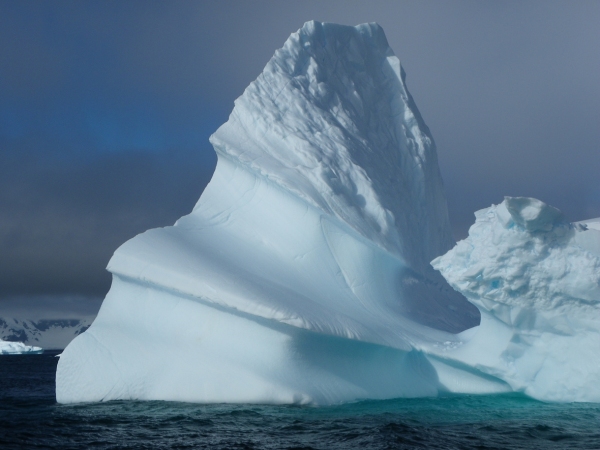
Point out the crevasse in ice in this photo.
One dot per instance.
(302, 274)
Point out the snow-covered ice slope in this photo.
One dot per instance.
(536, 280)
(17, 348)
(303, 272)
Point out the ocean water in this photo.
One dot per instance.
(31, 418)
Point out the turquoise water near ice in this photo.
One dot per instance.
(31, 418)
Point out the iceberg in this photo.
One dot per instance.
(535, 278)
(17, 348)
(303, 273)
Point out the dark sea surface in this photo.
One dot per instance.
(31, 418)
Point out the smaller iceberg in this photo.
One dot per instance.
(535, 278)
(17, 348)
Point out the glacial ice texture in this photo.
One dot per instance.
(303, 273)
(536, 280)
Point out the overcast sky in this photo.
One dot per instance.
(106, 109)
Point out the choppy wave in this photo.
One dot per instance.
(31, 418)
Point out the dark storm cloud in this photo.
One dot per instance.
(106, 108)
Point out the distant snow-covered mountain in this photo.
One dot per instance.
(45, 333)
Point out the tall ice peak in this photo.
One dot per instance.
(302, 275)
(331, 120)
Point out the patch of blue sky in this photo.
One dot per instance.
(124, 130)
(13, 123)
(96, 126)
